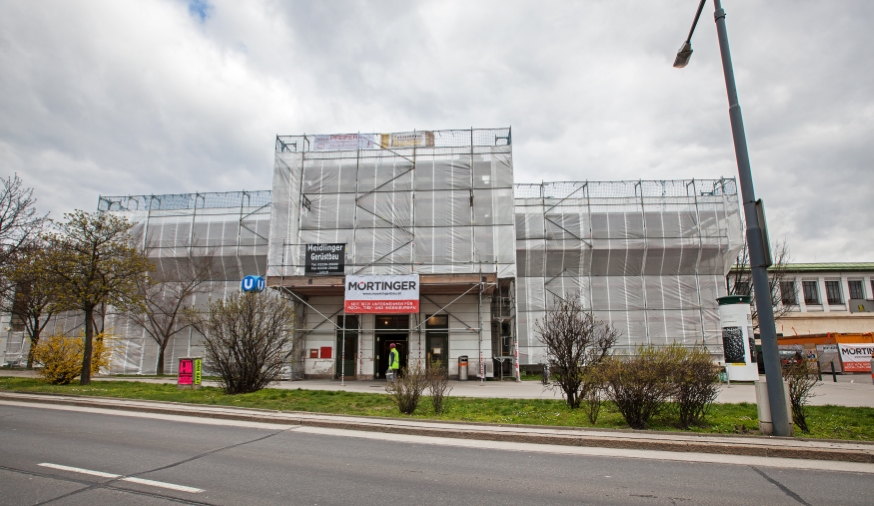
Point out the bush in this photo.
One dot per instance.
(575, 343)
(61, 357)
(248, 340)
(593, 392)
(696, 383)
(406, 391)
(438, 385)
(801, 382)
(639, 385)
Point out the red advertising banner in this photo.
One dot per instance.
(382, 294)
(382, 306)
(856, 357)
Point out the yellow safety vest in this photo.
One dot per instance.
(394, 359)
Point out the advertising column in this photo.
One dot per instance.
(738, 344)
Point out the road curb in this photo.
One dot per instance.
(480, 432)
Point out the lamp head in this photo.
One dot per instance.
(683, 55)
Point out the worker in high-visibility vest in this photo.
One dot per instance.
(394, 362)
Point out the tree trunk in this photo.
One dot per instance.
(34, 340)
(159, 370)
(86, 353)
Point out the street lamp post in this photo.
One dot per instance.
(757, 241)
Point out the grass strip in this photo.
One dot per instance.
(826, 422)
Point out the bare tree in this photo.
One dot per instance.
(19, 221)
(739, 280)
(95, 265)
(248, 339)
(33, 299)
(575, 342)
(167, 298)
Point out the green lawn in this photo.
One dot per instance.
(829, 422)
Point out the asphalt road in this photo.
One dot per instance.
(49, 456)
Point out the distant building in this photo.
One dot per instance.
(821, 298)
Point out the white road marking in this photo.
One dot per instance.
(713, 458)
(141, 481)
(80, 470)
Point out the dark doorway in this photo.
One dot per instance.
(350, 336)
(391, 329)
(437, 341)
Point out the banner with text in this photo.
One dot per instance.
(856, 357)
(382, 294)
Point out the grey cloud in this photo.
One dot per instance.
(112, 98)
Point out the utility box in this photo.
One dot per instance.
(190, 372)
(462, 368)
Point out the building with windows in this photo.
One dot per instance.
(820, 298)
(441, 209)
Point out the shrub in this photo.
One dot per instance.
(438, 385)
(801, 382)
(593, 392)
(575, 342)
(248, 340)
(406, 391)
(639, 385)
(61, 357)
(696, 383)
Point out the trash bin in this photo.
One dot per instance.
(462, 368)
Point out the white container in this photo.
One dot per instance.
(738, 343)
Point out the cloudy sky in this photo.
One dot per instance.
(169, 96)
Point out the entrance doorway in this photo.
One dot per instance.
(437, 342)
(350, 336)
(391, 329)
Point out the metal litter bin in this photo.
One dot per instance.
(462, 368)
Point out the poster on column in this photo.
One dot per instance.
(382, 294)
(856, 357)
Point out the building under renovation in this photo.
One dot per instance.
(439, 211)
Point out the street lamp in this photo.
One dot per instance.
(757, 235)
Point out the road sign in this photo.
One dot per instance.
(253, 284)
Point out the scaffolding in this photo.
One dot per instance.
(173, 229)
(432, 202)
(650, 257)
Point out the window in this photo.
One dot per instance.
(787, 293)
(811, 294)
(833, 292)
(742, 287)
(856, 289)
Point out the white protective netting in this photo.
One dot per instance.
(443, 206)
(174, 229)
(650, 257)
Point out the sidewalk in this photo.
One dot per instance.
(850, 390)
(758, 446)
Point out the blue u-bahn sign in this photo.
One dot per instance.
(253, 284)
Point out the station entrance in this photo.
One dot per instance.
(391, 329)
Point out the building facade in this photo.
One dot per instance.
(490, 256)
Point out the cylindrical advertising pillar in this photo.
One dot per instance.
(738, 343)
